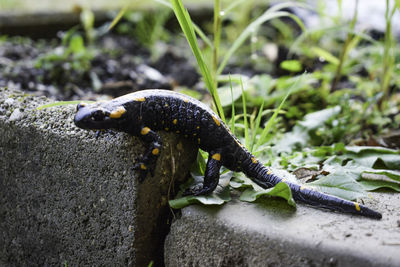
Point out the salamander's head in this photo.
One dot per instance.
(98, 116)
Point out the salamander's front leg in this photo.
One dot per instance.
(211, 176)
(148, 162)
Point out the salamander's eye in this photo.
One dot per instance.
(98, 115)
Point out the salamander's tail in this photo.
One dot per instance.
(266, 179)
(321, 200)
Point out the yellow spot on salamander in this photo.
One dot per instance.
(357, 206)
(185, 100)
(302, 187)
(143, 167)
(155, 151)
(194, 134)
(141, 99)
(145, 130)
(198, 127)
(283, 180)
(178, 131)
(269, 172)
(216, 156)
(166, 129)
(254, 160)
(166, 105)
(175, 121)
(162, 122)
(117, 113)
(217, 122)
(198, 140)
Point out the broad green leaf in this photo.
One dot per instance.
(212, 199)
(341, 184)
(313, 121)
(382, 174)
(280, 190)
(305, 131)
(218, 197)
(370, 185)
(228, 94)
(377, 157)
(241, 181)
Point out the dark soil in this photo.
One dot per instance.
(114, 65)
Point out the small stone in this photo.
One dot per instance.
(8, 101)
(16, 115)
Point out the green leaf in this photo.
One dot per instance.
(212, 199)
(370, 185)
(291, 65)
(218, 197)
(76, 45)
(382, 175)
(305, 131)
(377, 157)
(341, 184)
(281, 190)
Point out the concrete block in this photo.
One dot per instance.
(269, 233)
(67, 197)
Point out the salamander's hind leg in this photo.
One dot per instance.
(211, 177)
(148, 162)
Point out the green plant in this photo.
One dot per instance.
(73, 52)
(211, 77)
(349, 43)
(87, 21)
(147, 28)
(188, 29)
(388, 54)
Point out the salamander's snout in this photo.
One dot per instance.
(96, 117)
(82, 117)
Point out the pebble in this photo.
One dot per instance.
(16, 115)
(9, 101)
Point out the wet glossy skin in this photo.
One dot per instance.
(144, 113)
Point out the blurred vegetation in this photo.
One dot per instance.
(319, 101)
(348, 94)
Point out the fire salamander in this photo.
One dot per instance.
(145, 112)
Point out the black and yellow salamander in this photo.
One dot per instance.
(145, 112)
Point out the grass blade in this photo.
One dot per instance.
(188, 29)
(257, 124)
(250, 30)
(246, 126)
(273, 117)
(118, 17)
(233, 108)
(62, 103)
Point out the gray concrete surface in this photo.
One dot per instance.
(270, 233)
(67, 197)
